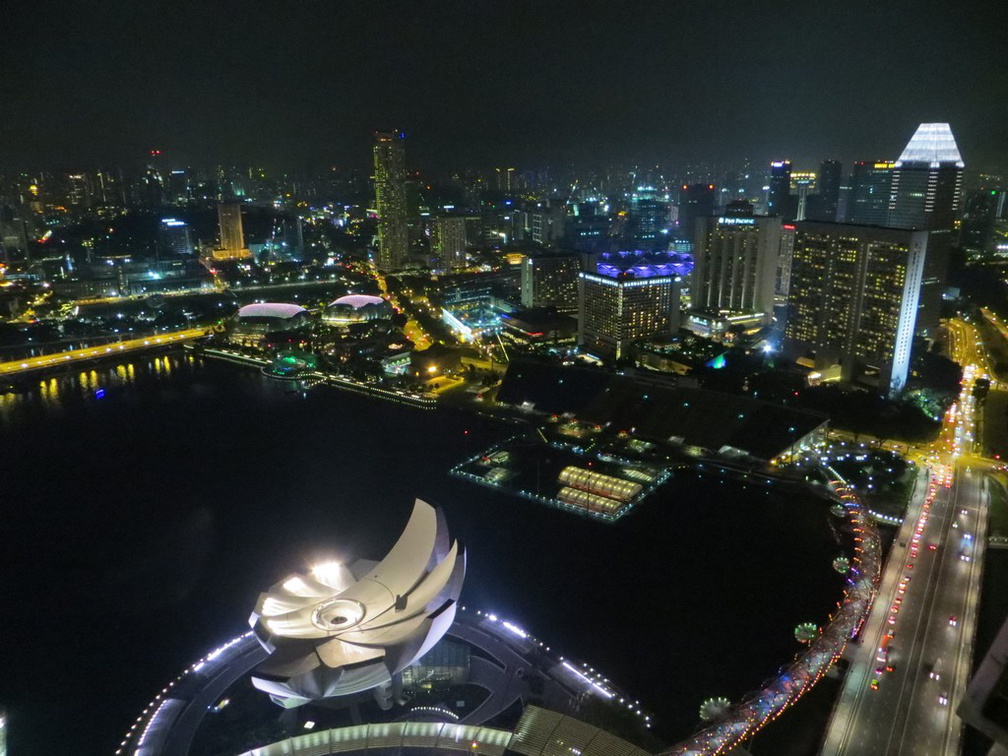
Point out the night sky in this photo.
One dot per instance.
(293, 84)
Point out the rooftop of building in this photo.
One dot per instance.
(643, 264)
(279, 310)
(357, 301)
(932, 144)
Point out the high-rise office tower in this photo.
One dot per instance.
(735, 264)
(982, 209)
(926, 194)
(853, 298)
(390, 200)
(79, 190)
(695, 201)
(232, 237)
(802, 184)
(649, 219)
(627, 299)
(823, 205)
(174, 237)
(546, 223)
(550, 280)
(779, 202)
(449, 241)
(927, 183)
(870, 186)
(587, 226)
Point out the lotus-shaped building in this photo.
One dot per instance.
(343, 629)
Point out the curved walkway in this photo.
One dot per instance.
(772, 700)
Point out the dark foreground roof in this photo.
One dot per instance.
(658, 409)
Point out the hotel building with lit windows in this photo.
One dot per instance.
(550, 279)
(631, 296)
(735, 266)
(853, 297)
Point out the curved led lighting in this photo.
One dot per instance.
(344, 629)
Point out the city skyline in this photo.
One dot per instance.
(691, 316)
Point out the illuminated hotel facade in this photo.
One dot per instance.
(232, 237)
(550, 280)
(735, 262)
(628, 299)
(854, 295)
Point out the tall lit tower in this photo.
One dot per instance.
(824, 205)
(390, 199)
(926, 194)
(853, 299)
(779, 199)
(232, 238)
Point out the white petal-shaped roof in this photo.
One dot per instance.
(933, 144)
(398, 608)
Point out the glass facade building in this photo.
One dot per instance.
(779, 197)
(870, 186)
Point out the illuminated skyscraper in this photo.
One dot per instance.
(649, 219)
(390, 200)
(782, 279)
(824, 208)
(870, 186)
(631, 297)
(550, 280)
(853, 296)
(735, 262)
(927, 182)
(926, 194)
(448, 240)
(802, 184)
(232, 238)
(174, 237)
(779, 202)
(695, 201)
(982, 210)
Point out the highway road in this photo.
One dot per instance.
(59, 359)
(910, 668)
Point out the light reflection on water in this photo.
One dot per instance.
(52, 392)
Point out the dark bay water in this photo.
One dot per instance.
(137, 529)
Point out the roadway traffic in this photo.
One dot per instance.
(909, 670)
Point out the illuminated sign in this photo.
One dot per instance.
(736, 221)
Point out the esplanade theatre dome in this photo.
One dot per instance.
(253, 321)
(356, 308)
